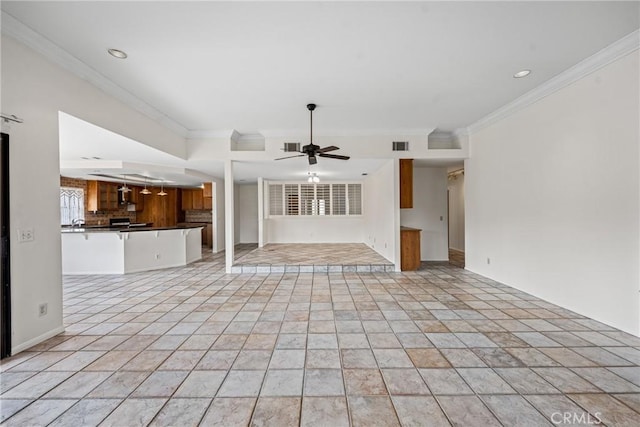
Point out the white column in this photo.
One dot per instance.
(260, 212)
(396, 209)
(229, 235)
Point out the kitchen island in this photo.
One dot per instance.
(128, 250)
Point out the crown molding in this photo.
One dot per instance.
(54, 53)
(609, 54)
(304, 134)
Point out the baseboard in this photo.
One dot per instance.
(37, 340)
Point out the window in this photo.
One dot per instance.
(355, 199)
(71, 205)
(339, 199)
(315, 199)
(292, 199)
(322, 202)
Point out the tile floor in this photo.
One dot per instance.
(310, 258)
(194, 346)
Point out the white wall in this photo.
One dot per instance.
(218, 215)
(315, 229)
(456, 212)
(248, 218)
(35, 90)
(552, 197)
(380, 210)
(236, 214)
(429, 212)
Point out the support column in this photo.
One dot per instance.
(260, 212)
(229, 228)
(396, 210)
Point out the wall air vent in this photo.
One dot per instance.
(400, 145)
(291, 147)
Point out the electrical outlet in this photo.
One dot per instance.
(157, 256)
(441, 218)
(488, 260)
(42, 309)
(25, 235)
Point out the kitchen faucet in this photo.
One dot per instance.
(77, 221)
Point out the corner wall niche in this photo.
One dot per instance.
(439, 140)
(247, 142)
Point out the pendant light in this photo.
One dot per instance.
(124, 187)
(145, 191)
(162, 192)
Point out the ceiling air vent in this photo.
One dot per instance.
(292, 147)
(400, 145)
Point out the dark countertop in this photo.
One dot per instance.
(107, 229)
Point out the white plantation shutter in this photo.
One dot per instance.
(355, 199)
(275, 199)
(339, 199)
(307, 199)
(323, 199)
(292, 199)
(315, 199)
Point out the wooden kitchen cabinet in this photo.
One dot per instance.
(102, 196)
(406, 183)
(197, 201)
(187, 199)
(136, 198)
(207, 191)
(194, 200)
(409, 249)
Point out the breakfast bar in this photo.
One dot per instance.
(129, 250)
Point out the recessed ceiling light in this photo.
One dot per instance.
(117, 53)
(521, 74)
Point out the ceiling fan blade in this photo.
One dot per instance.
(290, 157)
(327, 149)
(334, 156)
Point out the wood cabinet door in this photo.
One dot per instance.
(187, 199)
(197, 199)
(208, 203)
(406, 183)
(112, 196)
(207, 191)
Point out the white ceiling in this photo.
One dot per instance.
(370, 66)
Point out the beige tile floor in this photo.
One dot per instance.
(309, 258)
(194, 346)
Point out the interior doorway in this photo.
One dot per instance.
(5, 277)
(455, 207)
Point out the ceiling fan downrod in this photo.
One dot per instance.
(311, 107)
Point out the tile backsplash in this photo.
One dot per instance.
(198, 216)
(97, 218)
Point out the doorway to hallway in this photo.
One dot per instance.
(455, 208)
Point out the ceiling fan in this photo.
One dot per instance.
(313, 151)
